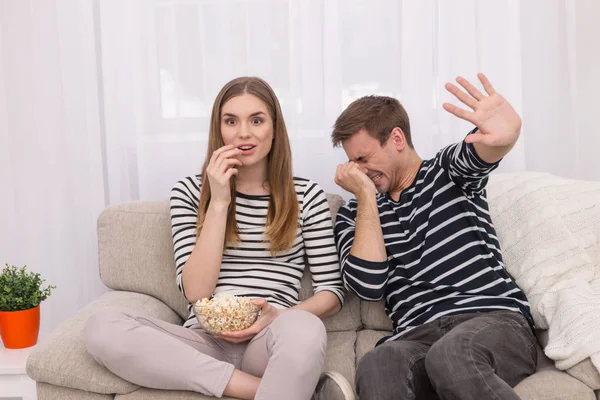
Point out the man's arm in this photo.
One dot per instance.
(359, 237)
(465, 167)
(498, 123)
(368, 237)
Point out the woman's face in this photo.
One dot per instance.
(247, 125)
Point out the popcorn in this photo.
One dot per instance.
(225, 312)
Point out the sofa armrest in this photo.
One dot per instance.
(61, 359)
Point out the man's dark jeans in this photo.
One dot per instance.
(461, 357)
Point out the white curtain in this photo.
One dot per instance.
(51, 171)
(109, 101)
(166, 61)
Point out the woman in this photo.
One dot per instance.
(245, 226)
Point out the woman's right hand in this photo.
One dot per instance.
(221, 168)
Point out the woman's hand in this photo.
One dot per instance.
(221, 168)
(268, 314)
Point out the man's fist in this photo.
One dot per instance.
(352, 178)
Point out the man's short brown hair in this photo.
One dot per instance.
(378, 115)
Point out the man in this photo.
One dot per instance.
(461, 328)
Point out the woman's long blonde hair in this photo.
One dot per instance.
(282, 216)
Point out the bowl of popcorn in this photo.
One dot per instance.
(226, 313)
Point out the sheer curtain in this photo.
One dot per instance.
(174, 56)
(105, 101)
(51, 171)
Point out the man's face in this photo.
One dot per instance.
(380, 163)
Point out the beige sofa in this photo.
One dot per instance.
(136, 262)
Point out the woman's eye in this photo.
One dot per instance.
(230, 121)
(257, 121)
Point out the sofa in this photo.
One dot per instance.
(136, 264)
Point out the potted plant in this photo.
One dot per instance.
(21, 293)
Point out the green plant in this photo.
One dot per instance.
(21, 290)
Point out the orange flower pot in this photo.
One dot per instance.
(20, 329)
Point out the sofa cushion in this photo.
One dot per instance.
(136, 251)
(335, 202)
(62, 359)
(587, 373)
(373, 316)
(348, 319)
(136, 254)
(366, 340)
(341, 354)
(552, 384)
(46, 391)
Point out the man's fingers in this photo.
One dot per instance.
(347, 173)
(478, 138)
(354, 168)
(486, 84)
(462, 96)
(472, 90)
(341, 171)
(459, 112)
(361, 170)
(472, 138)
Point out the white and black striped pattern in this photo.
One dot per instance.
(248, 269)
(443, 254)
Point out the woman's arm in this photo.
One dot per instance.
(198, 269)
(323, 304)
(201, 270)
(321, 254)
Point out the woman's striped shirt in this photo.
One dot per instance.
(248, 268)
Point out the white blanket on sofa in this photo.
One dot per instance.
(549, 230)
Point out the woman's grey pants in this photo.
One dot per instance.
(288, 354)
